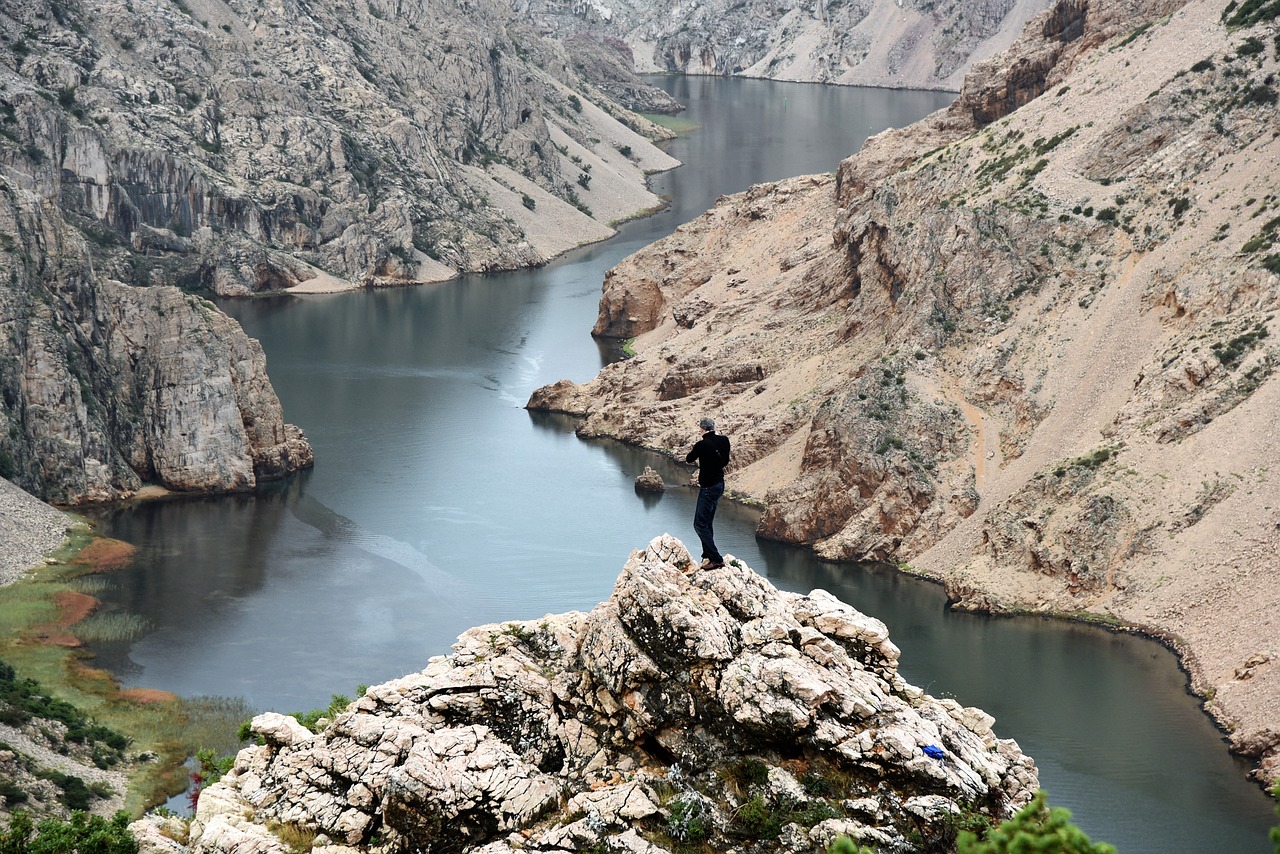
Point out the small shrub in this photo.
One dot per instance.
(528, 201)
(295, 837)
(1252, 46)
(746, 773)
(758, 819)
(1036, 827)
(688, 820)
(624, 150)
(845, 845)
(576, 103)
(1203, 65)
(1262, 94)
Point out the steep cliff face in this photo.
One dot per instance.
(914, 44)
(692, 708)
(242, 146)
(107, 386)
(237, 147)
(1024, 344)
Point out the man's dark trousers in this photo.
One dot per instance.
(708, 498)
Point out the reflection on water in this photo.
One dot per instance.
(437, 503)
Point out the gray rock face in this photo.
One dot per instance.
(246, 147)
(703, 706)
(916, 43)
(107, 386)
(253, 146)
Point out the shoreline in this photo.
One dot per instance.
(1197, 685)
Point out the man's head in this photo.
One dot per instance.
(707, 424)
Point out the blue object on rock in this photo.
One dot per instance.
(934, 752)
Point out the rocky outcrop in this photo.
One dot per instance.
(913, 44)
(109, 386)
(1025, 344)
(691, 707)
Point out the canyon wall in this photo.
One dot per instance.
(919, 44)
(240, 147)
(1024, 346)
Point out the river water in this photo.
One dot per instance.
(437, 503)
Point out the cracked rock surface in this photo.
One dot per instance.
(692, 705)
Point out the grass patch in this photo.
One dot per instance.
(111, 627)
(163, 730)
(676, 124)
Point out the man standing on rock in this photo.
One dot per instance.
(711, 453)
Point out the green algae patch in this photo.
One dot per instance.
(46, 617)
(675, 124)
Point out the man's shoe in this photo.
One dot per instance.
(710, 564)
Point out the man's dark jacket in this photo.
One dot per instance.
(711, 453)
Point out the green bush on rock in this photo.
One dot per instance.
(1037, 827)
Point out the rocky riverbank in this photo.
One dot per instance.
(693, 707)
(29, 530)
(1024, 345)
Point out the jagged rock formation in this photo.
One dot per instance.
(107, 386)
(1024, 344)
(650, 481)
(691, 707)
(921, 44)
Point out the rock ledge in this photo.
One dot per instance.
(691, 706)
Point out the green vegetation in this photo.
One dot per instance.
(337, 705)
(1264, 239)
(21, 700)
(48, 680)
(1232, 351)
(576, 103)
(688, 820)
(764, 818)
(1129, 39)
(528, 201)
(1275, 831)
(82, 834)
(676, 124)
(1036, 828)
(1250, 12)
(1088, 461)
(845, 845)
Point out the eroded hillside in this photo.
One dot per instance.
(1025, 345)
(241, 147)
(914, 44)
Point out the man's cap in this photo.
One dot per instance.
(707, 424)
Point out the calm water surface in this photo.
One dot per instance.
(437, 503)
